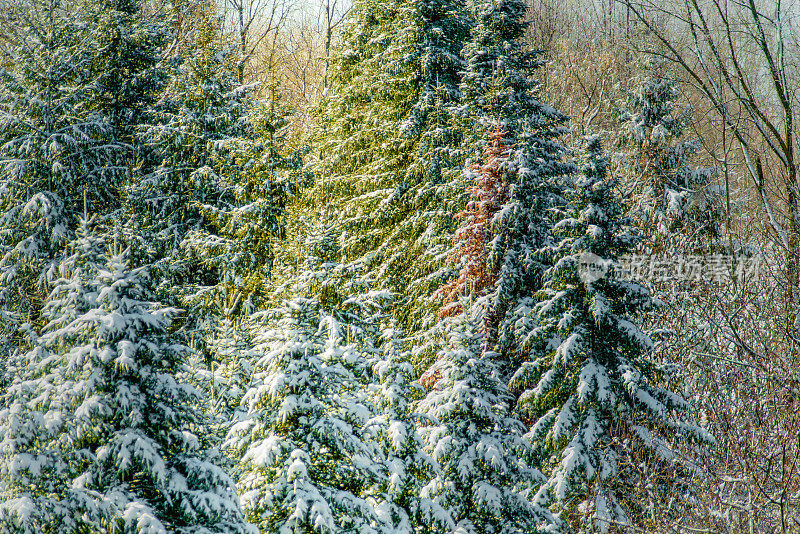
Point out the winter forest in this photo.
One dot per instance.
(399, 266)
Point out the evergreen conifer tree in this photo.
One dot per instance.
(76, 79)
(484, 480)
(210, 205)
(497, 84)
(238, 238)
(237, 241)
(500, 92)
(676, 203)
(201, 106)
(127, 56)
(410, 468)
(56, 153)
(390, 162)
(598, 402)
(306, 464)
(223, 375)
(99, 434)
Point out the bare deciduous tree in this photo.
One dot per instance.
(252, 21)
(740, 59)
(741, 55)
(332, 13)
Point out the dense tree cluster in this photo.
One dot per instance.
(382, 324)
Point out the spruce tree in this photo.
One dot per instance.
(500, 92)
(99, 434)
(601, 406)
(485, 481)
(238, 238)
(34, 471)
(219, 371)
(305, 462)
(675, 202)
(410, 468)
(55, 152)
(76, 79)
(201, 106)
(127, 52)
(390, 161)
(237, 241)
(498, 86)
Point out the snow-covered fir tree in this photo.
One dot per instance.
(500, 92)
(237, 241)
(99, 435)
(229, 376)
(602, 408)
(216, 367)
(210, 205)
(201, 105)
(497, 84)
(305, 463)
(75, 289)
(77, 269)
(675, 203)
(26, 433)
(484, 482)
(410, 468)
(56, 152)
(126, 53)
(390, 163)
(238, 238)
